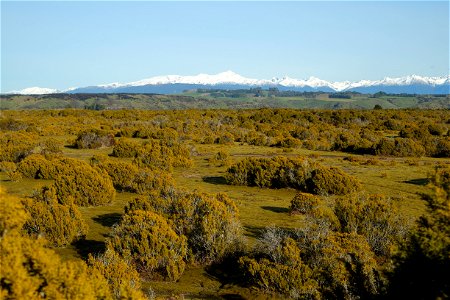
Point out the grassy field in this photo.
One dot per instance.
(191, 100)
(403, 179)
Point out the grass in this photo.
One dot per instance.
(205, 100)
(403, 179)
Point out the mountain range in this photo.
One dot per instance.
(174, 84)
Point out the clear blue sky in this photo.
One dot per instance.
(64, 44)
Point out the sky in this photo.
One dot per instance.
(61, 44)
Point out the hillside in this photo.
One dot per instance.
(221, 99)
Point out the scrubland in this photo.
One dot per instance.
(225, 204)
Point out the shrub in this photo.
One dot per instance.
(36, 166)
(59, 224)
(398, 147)
(331, 180)
(313, 263)
(10, 169)
(299, 173)
(125, 148)
(11, 124)
(274, 172)
(123, 279)
(122, 173)
(289, 275)
(424, 268)
(145, 238)
(29, 270)
(16, 146)
(12, 214)
(7, 166)
(289, 142)
(209, 221)
(156, 154)
(303, 203)
(51, 146)
(147, 180)
(348, 267)
(128, 177)
(225, 139)
(84, 184)
(94, 139)
(374, 217)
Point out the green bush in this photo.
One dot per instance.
(146, 180)
(398, 147)
(94, 139)
(221, 158)
(16, 146)
(125, 148)
(375, 217)
(10, 169)
(84, 184)
(145, 238)
(38, 166)
(60, 224)
(209, 221)
(331, 180)
(348, 267)
(312, 263)
(51, 146)
(156, 154)
(128, 177)
(123, 279)
(122, 173)
(424, 268)
(289, 275)
(304, 203)
(299, 173)
(29, 270)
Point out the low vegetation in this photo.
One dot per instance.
(319, 204)
(299, 173)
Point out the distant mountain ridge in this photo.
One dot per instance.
(173, 84)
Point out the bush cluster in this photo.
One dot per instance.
(16, 146)
(423, 269)
(60, 224)
(341, 251)
(304, 203)
(153, 154)
(298, 173)
(145, 238)
(209, 221)
(94, 139)
(30, 270)
(129, 177)
(318, 265)
(122, 277)
(73, 179)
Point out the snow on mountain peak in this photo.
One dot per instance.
(35, 91)
(230, 77)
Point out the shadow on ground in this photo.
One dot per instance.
(419, 181)
(86, 247)
(108, 220)
(215, 180)
(276, 209)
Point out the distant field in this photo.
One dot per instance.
(191, 100)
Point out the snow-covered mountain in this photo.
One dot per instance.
(169, 84)
(35, 91)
